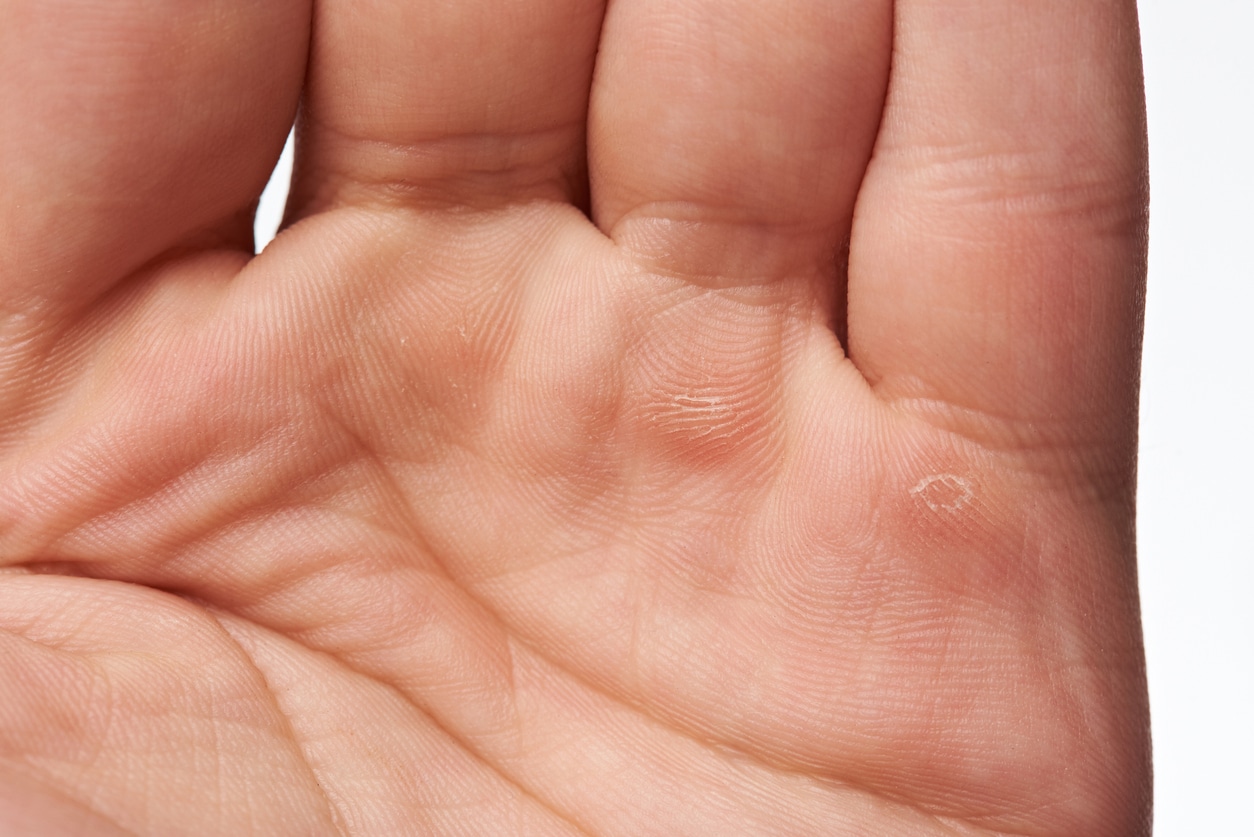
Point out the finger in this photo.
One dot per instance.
(464, 102)
(128, 127)
(997, 261)
(728, 138)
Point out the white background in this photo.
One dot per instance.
(1197, 444)
(1197, 414)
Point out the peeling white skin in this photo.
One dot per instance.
(694, 415)
(944, 492)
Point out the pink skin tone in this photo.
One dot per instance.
(673, 418)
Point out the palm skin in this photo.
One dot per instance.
(523, 485)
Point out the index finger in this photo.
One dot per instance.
(128, 128)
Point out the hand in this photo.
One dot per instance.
(522, 485)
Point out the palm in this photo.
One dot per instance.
(456, 511)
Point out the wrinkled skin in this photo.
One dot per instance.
(691, 417)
